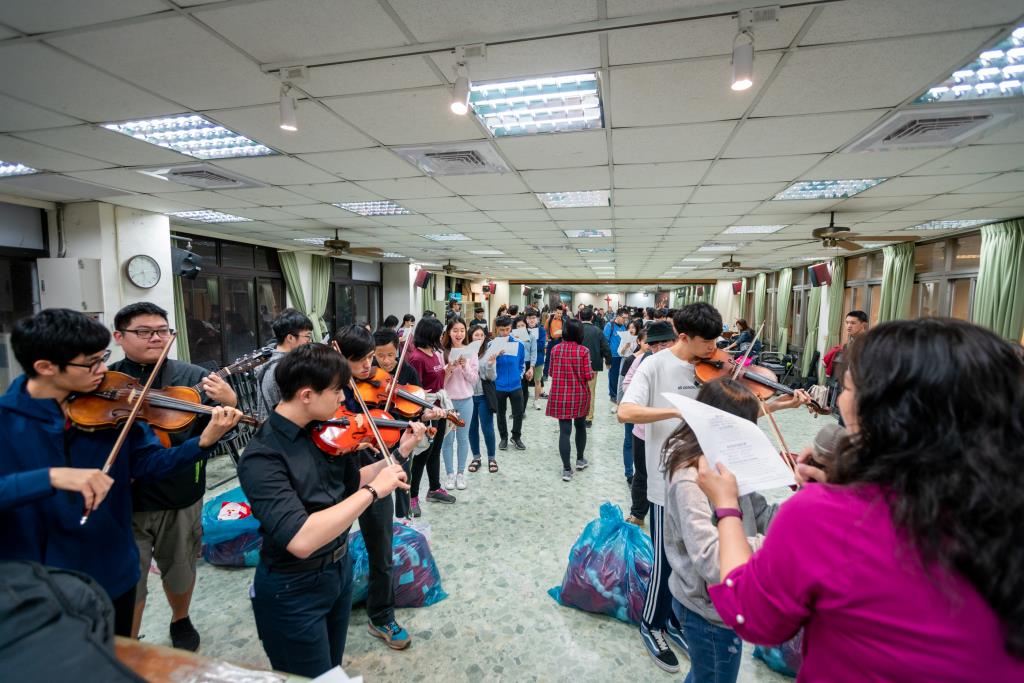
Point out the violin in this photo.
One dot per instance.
(408, 400)
(759, 379)
(347, 430)
(170, 409)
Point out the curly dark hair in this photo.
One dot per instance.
(940, 408)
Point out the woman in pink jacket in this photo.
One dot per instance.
(460, 376)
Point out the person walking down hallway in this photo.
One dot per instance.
(569, 397)
(600, 354)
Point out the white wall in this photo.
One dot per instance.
(398, 293)
(598, 300)
(726, 302)
(366, 271)
(502, 295)
(638, 299)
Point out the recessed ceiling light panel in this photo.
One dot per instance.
(378, 208)
(996, 72)
(7, 170)
(827, 189)
(538, 105)
(487, 252)
(952, 225)
(193, 135)
(573, 200)
(586, 234)
(206, 216)
(695, 259)
(446, 237)
(594, 250)
(753, 229)
(712, 246)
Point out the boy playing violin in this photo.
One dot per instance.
(50, 472)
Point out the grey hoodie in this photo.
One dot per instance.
(691, 540)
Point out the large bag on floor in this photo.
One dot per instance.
(784, 659)
(230, 533)
(609, 568)
(56, 625)
(416, 579)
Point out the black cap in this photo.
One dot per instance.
(660, 331)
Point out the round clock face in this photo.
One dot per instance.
(143, 271)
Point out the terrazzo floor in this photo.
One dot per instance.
(499, 549)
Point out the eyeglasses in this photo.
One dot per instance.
(95, 365)
(145, 333)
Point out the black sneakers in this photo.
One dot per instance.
(184, 635)
(519, 445)
(503, 445)
(658, 649)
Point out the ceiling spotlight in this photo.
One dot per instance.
(460, 90)
(288, 120)
(743, 60)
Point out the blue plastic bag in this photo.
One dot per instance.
(230, 532)
(609, 568)
(784, 659)
(416, 579)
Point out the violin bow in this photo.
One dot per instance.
(384, 450)
(136, 407)
(746, 354)
(394, 376)
(785, 452)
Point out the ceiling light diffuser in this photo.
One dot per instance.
(376, 208)
(586, 234)
(206, 216)
(594, 250)
(695, 259)
(996, 72)
(753, 229)
(952, 225)
(573, 200)
(392, 254)
(538, 105)
(193, 135)
(712, 246)
(827, 189)
(487, 252)
(7, 170)
(446, 237)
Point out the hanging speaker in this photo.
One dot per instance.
(423, 279)
(737, 286)
(185, 263)
(820, 274)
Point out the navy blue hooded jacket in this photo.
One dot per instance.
(40, 523)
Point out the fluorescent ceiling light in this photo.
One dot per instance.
(722, 247)
(487, 252)
(594, 250)
(446, 237)
(7, 169)
(695, 259)
(813, 258)
(996, 72)
(538, 105)
(392, 254)
(511, 261)
(753, 229)
(193, 135)
(684, 267)
(951, 225)
(573, 200)
(827, 189)
(582, 234)
(600, 260)
(429, 265)
(376, 208)
(206, 216)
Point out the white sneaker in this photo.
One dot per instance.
(449, 482)
(536, 404)
(460, 481)
(613, 408)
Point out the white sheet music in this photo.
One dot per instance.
(522, 334)
(468, 351)
(499, 345)
(627, 343)
(737, 443)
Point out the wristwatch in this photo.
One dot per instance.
(373, 492)
(721, 513)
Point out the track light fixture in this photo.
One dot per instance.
(287, 109)
(743, 60)
(460, 90)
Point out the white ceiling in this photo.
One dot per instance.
(683, 156)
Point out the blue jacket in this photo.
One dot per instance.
(510, 369)
(542, 343)
(41, 524)
(611, 333)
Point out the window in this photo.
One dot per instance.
(961, 297)
(966, 252)
(874, 302)
(856, 268)
(352, 301)
(930, 258)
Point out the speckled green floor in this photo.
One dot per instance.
(499, 549)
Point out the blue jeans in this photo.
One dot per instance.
(627, 451)
(464, 407)
(302, 617)
(613, 377)
(484, 419)
(715, 651)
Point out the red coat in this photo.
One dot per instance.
(569, 395)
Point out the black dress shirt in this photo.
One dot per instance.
(287, 478)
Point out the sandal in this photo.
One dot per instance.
(492, 466)
(474, 465)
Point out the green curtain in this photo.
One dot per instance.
(743, 299)
(760, 289)
(836, 314)
(783, 293)
(897, 281)
(811, 338)
(321, 276)
(292, 282)
(181, 320)
(999, 293)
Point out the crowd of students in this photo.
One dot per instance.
(899, 559)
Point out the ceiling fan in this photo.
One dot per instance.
(338, 247)
(729, 266)
(832, 236)
(449, 269)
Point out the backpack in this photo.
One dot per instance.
(56, 625)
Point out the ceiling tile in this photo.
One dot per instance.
(875, 203)
(660, 195)
(148, 203)
(130, 181)
(334, 192)
(794, 206)
(363, 77)
(845, 77)
(58, 82)
(1007, 182)
(568, 180)
(208, 73)
(99, 143)
(461, 217)
(555, 150)
(729, 193)
(16, 115)
(867, 19)
(566, 54)
(319, 129)
(277, 170)
(977, 159)
(583, 212)
(387, 116)
(13, 150)
(363, 164)
(681, 93)
(798, 134)
(406, 188)
(872, 164)
(760, 169)
(963, 201)
(460, 18)
(922, 185)
(518, 216)
(259, 213)
(208, 199)
(671, 174)
(437, 204)
(56, 15)
(290, 30)
(317, 211)
(266, 196)
(648, 211)
(670, 143)
(487, 184)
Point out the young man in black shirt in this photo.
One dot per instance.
(291, 330)
(306, 501)
(167, 512)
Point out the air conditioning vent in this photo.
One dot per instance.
(203, 176)
(931, 127)
(460, 158)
